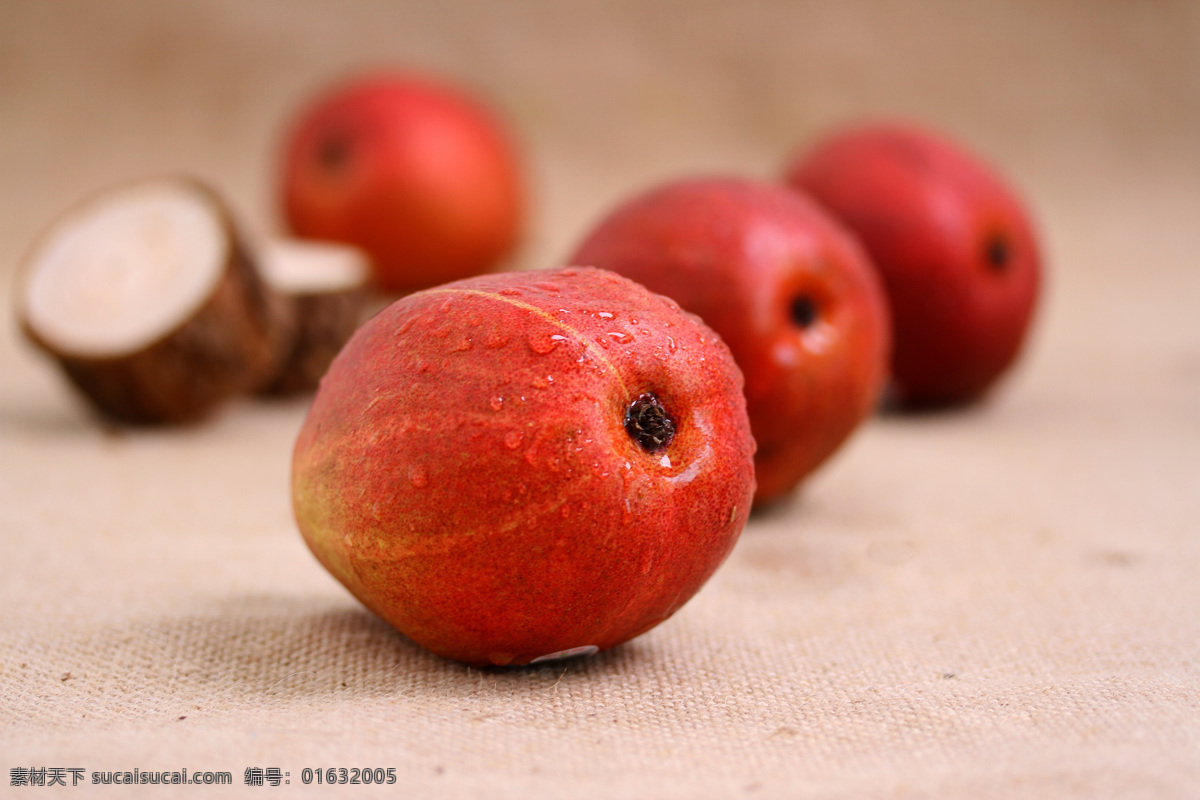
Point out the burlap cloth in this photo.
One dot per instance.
(999, 602)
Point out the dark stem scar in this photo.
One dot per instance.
(649, 424)
(997, 252)
(333, 151)
(803, 311)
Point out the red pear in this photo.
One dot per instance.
(789, 291)
(417, 173)
(955, 247)
(526, 465)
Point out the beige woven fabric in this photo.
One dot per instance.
(999, 602)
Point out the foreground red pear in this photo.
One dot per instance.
(953, 243)
(418, 174)
(525, 465)
(789, 291)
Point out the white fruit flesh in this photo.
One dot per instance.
(309, 267)
(122, 271)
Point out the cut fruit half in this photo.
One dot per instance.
(147, 298)
(328, 287)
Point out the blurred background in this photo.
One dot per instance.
(1005, 591)
(1077, 101)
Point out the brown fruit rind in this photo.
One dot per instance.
(230, 345)
(322, 323)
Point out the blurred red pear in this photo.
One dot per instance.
(788, 290)
(953, 243)
(416, 173)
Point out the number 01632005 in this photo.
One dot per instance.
(352, 775)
